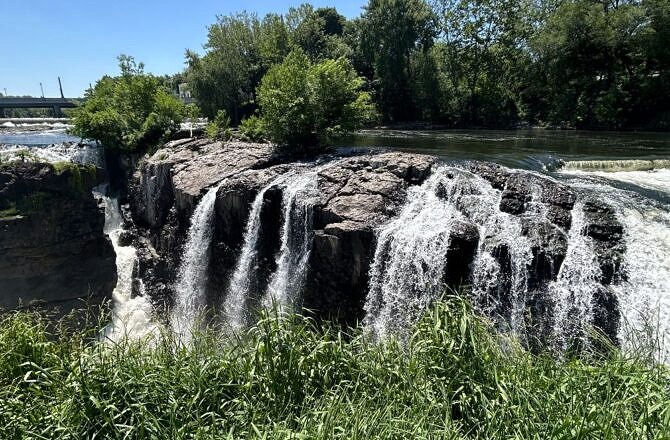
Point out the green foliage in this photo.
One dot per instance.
(129, 112)
(219, 128)
(78, 174)
(252, 129)
(240, 49)
(287, 377)
(306, 105)
(485, 63)
(393, 30)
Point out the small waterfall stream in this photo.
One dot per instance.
(189, 299)
(298, 190)
(577, 281)
(132, 314)
(408, 270)
(296, 239)
(408, 266)
(234, 306)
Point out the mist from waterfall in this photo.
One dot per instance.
(189, 301)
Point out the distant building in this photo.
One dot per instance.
(184, 93)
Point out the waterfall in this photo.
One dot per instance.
(131, 315)
(286, 282)
(644, 296)
(408, 268)
(240, 282)
(577, 281)
(644, 293)
(616, 165)
(189, 299)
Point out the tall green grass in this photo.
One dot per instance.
(289, 378)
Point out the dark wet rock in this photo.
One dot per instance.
(607, 233)
(127, 238)
(549, 245)
(606, 313)
(52, 246)
(463, 244)
(520, 190)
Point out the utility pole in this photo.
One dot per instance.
(42, 89)
(60, 86)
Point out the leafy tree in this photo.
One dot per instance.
(240, 49)
(483, 56)
(319, 32)
(306, 106)
(128, 112)
(392, 31)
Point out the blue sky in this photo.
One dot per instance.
(80, 39)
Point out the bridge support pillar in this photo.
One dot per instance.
(57, 111)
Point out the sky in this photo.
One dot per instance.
(79, 40)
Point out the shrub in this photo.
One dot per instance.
(305, 105)
(219, 128)
(252, 129)
(129, 112)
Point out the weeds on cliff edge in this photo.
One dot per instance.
(289, 378)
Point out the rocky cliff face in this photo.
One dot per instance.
(355, 196)
(52, 245)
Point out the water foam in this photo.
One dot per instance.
(132, 315)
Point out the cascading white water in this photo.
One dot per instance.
(131, 315)
(296, 239)
(643, 293)
(623, 165)
(189, 299)
(408, 267)
(648, 174)
(574, 289)
(407, 272)
(240, 282)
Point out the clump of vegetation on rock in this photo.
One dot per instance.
(219, 128)
(305, 106)
(130, 112)
(252, 129)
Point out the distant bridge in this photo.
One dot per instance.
(53, 103)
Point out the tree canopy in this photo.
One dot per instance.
(132, 111)
(462, 63)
